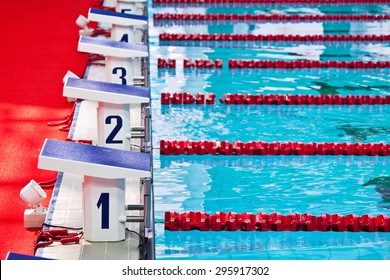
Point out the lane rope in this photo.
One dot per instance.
(272, 38)
(179, 98)
(261, 148)
(268, 64)
(185, 98)
(262, 17)
(284, 64)
(231, 221)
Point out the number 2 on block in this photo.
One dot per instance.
(119, 123)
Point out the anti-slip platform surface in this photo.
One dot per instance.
(92, 160)
(105, 92)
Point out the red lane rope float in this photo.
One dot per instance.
(187, 63)
(252, 148)
(267, 64)
(166, 63)
(231, 221)
(186, 98)
(202, 63)
(288, 99)
(294, 64)
(262, 17)
(179, 98)
(274, 1)
(273, 38)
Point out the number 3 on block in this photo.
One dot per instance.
(122, 72)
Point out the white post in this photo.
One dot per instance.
(114, 119)
(104, 199)
(113, 132)
(104, 208)
(114, 125)
(133, 34)
(119, 70)
(131, 7)
(122, 33)
(124, 71)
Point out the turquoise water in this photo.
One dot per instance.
(285, 184)
(276, 123)
(272, 245)
(269, 184)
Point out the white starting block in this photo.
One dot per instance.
(121, 68)
(125, 27)
(105, 171)
(113, 111)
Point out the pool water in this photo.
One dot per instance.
(284, 184)
(276, 123)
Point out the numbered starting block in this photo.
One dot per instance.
(104, 170)
(123, 65)
(126, 27)
(113, 112)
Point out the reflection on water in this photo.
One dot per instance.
(361, 123)
(382, 186)
(360, 134)
(308, 184)
(272, 245)
(271, 161)
(273, 81)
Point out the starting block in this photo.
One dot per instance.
(113, 112)
(121, 68)
(125, 27)
(104, 171)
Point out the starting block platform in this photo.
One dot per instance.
(94, 161)
(111, 48)
(113, 112)
(103, 187)
(116, 18)
(105, 92)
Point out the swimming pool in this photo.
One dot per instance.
(285, 184)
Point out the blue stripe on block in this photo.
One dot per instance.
(108, 87)
(96, 155)
(17, 256)
(116, 14)
(113, 44)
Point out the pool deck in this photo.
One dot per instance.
(66, 206)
